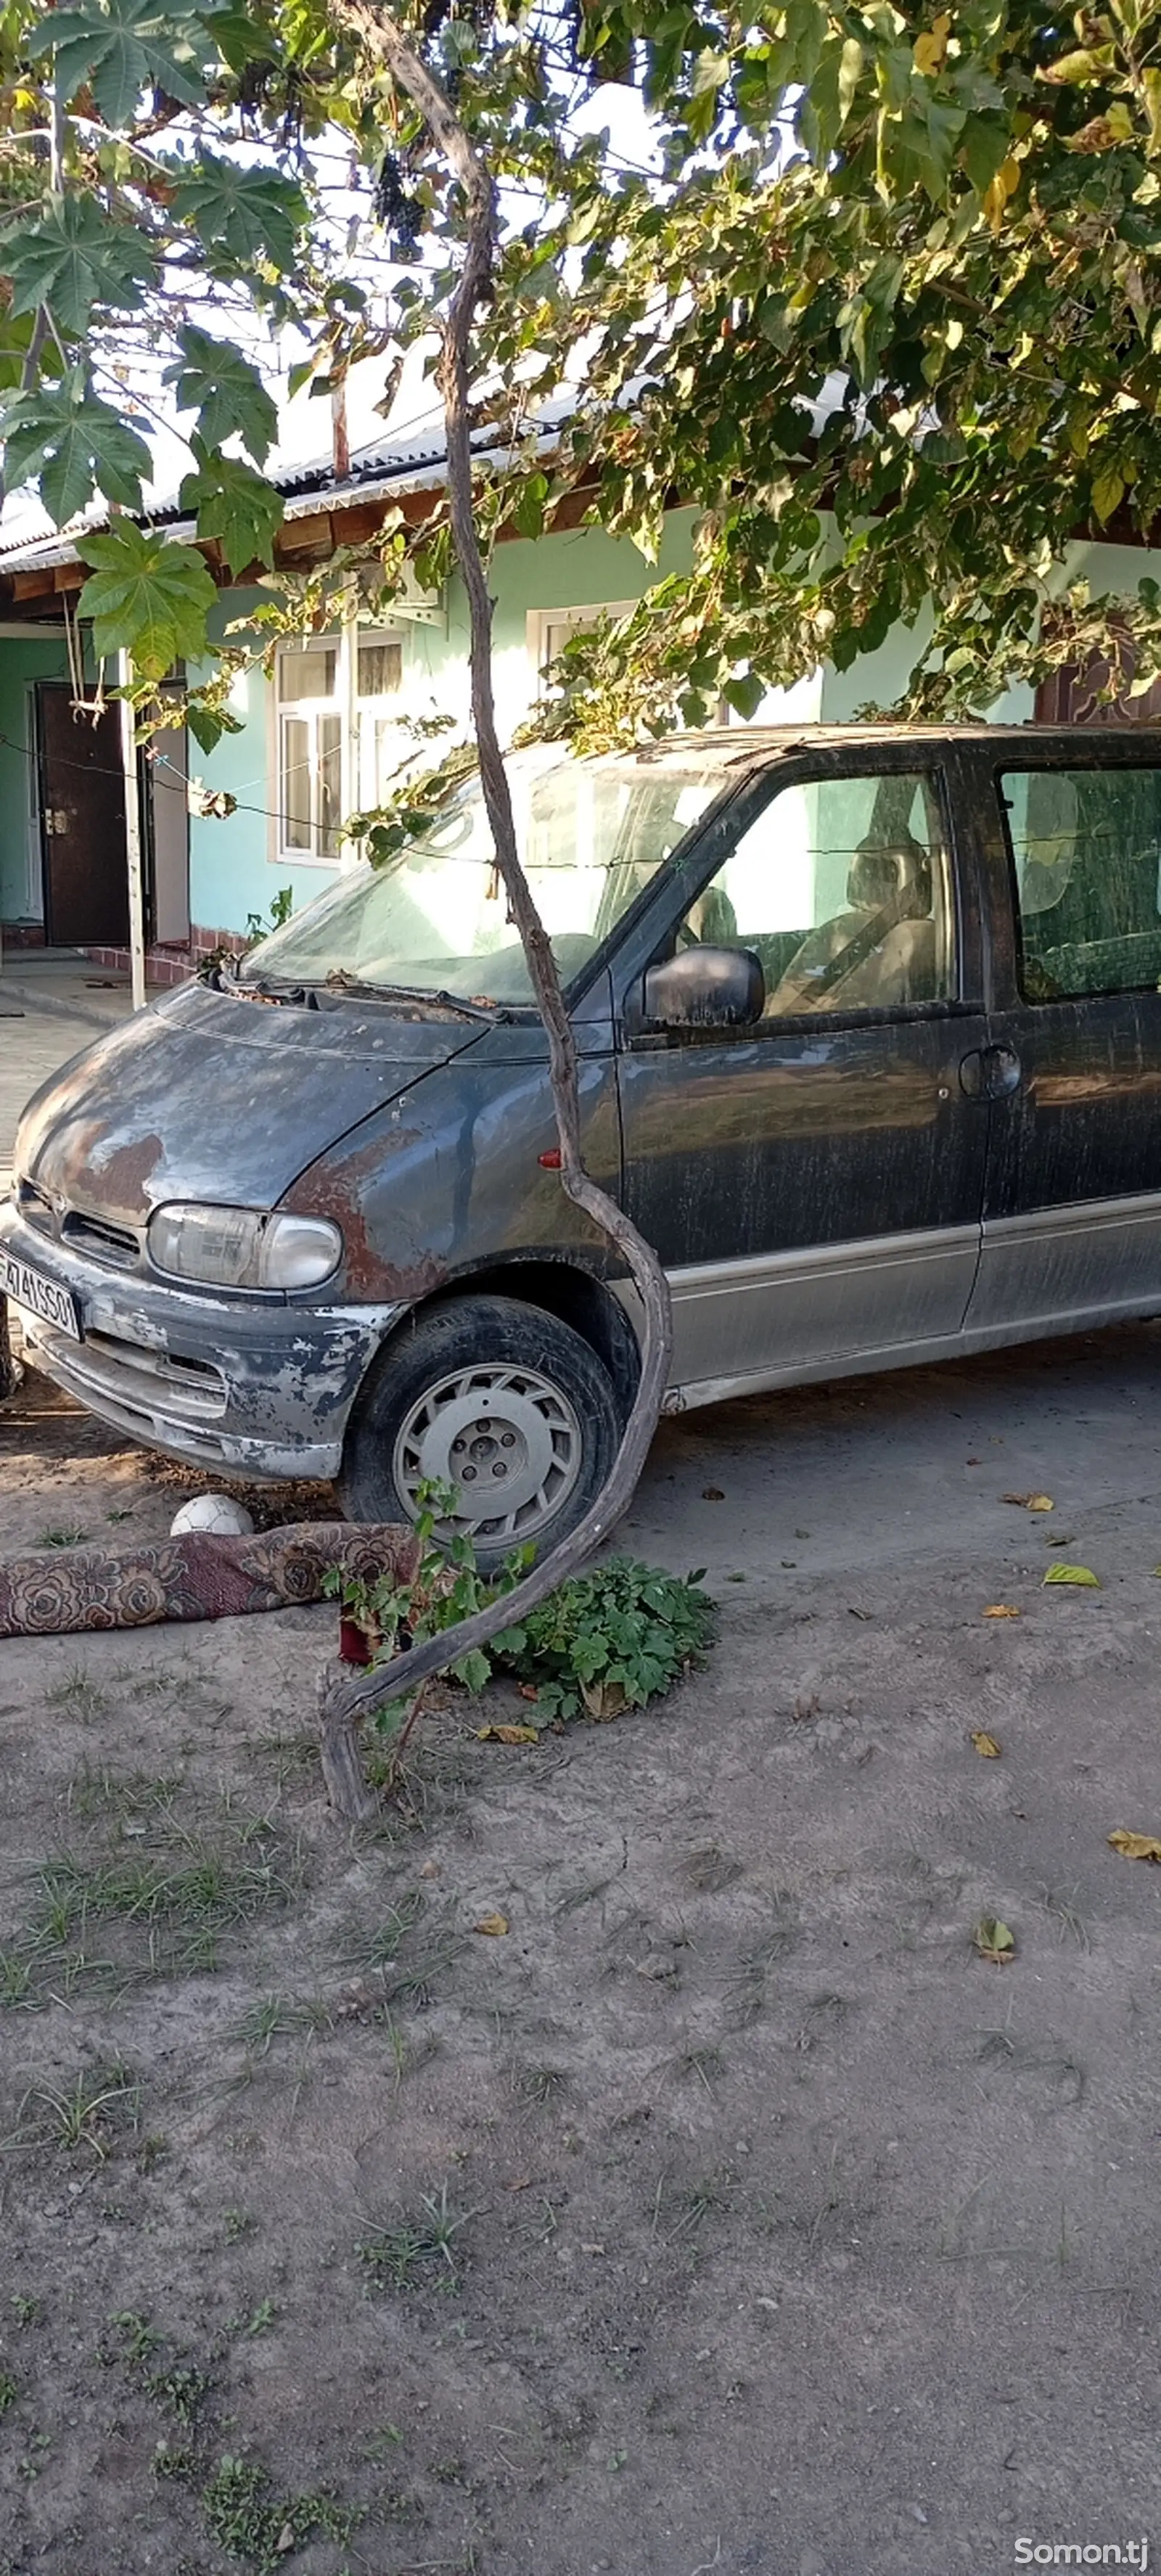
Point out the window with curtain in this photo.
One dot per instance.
(310, 736)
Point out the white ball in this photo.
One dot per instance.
(218, 1513)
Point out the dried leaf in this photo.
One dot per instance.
(712, 1494)
(1032, 1502)
(507, 1735)
(994, 1941)
(1075, 1574)
(1001, 1610)
(986, 1744)
(493, 1925)
(285, 2539)
(1136, 1846)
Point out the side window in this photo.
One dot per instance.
(1086, 849)
(841, 887)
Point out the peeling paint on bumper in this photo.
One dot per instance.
(259, 1389)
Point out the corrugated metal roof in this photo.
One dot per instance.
(415, 462)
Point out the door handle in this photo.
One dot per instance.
(990, 1073)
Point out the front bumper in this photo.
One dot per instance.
(259, 1388)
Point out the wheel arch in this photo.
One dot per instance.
(562, 1288)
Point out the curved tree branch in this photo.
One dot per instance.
(378, 34)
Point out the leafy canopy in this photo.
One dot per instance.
(878, 296)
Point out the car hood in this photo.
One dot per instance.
(206, 1096)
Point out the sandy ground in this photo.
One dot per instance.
(728, 2212)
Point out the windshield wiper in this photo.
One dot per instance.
(339, 981)
(269, 988)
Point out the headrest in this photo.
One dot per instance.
(895, 873)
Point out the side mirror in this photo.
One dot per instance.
(706, 988)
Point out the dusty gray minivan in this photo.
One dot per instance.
(870, 1047)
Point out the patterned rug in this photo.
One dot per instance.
(193, 1577)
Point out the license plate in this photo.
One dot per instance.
(40, 1296)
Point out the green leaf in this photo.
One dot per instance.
(118, 48)
(746, 694)
(240, 39)
(235, 505)
(226, 391)
(1078, 1574)
(147, 596)
(70, 443)
(249, 214)
(528, 515)
(72, 258)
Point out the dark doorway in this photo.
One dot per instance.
(82, 795)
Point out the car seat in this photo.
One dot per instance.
(880, 953)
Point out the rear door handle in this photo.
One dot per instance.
(990, 1073)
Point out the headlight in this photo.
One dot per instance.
(226, 1247)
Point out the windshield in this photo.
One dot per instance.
(590, 833)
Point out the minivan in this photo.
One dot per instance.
(869, 1041)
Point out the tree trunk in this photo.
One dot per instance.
(377, 32)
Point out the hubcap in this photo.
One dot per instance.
(507, 1438)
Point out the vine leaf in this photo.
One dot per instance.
(71, 442)
(72, 258)
(235, 505)
(118, 48)
(249, 214)
(147, 594)
(226, 391)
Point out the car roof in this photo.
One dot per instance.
(729, 746)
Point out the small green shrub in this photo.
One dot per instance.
(607, 1640)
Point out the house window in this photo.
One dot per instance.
(310, 736)
(549, 630)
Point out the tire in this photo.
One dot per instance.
(484, 1388)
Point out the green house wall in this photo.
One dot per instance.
(21, 662)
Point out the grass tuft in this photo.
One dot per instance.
(419, 2253)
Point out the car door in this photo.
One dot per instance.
(814, 1181)
(1071, 826)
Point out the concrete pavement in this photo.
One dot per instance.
(34, 1043)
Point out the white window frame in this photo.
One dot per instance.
(578, 621)
(356, 719)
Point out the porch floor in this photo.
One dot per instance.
(64, 980)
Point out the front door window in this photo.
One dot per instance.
(841, 888)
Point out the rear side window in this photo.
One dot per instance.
(1086, 848)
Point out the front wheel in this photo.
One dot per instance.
(497, 1398)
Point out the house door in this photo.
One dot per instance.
(82, 792)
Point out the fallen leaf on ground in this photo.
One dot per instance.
(985, 1744)
(1136, 1846)
(491, 1924)
(507, 1735)
(712, 1494)
(1000, 1610)
(994, 1941)
(1076, 1574)
(1032, 1502)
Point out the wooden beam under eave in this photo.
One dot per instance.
(32, 585)
(70, 576)
(305, 540)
